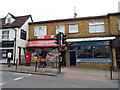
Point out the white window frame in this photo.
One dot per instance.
(73, 28)
(119, 24)
(60, 28)
(96, 27)
(40, 31)
(5, 35)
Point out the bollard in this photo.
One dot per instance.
(111, 73)
(36, 67)
(16, 63)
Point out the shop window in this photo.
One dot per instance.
(60, 28)
(40, 31)
(96, 27)
(93, 54)
(5, 34)
(119, 24)
(73, 28)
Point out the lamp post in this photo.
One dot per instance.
(15, 45)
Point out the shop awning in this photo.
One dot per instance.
(91, 39)
(42, 43)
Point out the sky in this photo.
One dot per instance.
(42, 10)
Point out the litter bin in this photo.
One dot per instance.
(28, 57)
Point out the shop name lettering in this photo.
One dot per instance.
(7, 42)
(42, 43)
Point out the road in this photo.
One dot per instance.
(23, 80)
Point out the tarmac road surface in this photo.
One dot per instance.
(24, 80)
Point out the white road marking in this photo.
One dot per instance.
(20, 73)
(22, 77)
(18, 78)
(29, 74)
(2, 83)
(26, 75)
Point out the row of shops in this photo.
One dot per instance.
(96, 53)
(92, 42)
(78, 53)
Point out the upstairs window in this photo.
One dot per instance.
(96, 27)
(5, 34)
(23, 34)
(60, 28)
(8, 20)
(40, 31)
(119, 24)
(73, 28)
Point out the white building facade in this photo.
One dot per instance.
(13, 37)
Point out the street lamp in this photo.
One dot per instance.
(15, 45)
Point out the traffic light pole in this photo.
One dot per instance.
(59, 47)
(60, 40)
(59, 65)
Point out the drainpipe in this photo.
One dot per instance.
(15, 45)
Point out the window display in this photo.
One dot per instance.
(93, 54)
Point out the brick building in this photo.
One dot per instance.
(93, 42)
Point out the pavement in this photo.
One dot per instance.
(66, 72)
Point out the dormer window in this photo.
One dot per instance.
(9, 19)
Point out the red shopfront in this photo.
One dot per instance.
(40, 48)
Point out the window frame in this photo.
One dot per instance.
(71, 26)
(93, 27)
(7, 35)
(37, 30)
(23, 34)
(62, 29)
(93, 58)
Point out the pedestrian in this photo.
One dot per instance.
(48, 59)
(56, 61)
(9, 57)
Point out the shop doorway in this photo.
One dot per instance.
(118, 56)
(72, 58)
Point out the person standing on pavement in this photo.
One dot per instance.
(9, 57)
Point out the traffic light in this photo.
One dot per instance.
(57, 39)
(64, 37)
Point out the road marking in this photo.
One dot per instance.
(29, 74)
(22, 77)
(18, 78)
(2, 83)
(20, 73)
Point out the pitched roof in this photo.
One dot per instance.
(19, 21)
(80, 18)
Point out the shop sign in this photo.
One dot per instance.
(7, 43)
(42, 43)
(46, 37)
(98, 43)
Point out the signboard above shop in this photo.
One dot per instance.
(42, 43)
(7, 43)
